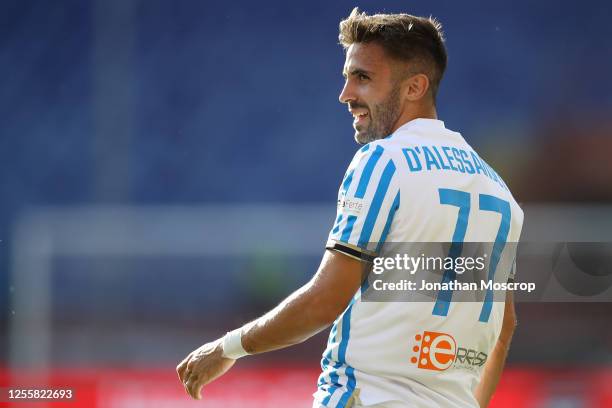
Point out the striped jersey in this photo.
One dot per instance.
(423, 183)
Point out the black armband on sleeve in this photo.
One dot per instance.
(351, 250)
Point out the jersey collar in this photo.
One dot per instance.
(421, 123)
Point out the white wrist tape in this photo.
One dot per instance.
(232, 345)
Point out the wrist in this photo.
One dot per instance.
(231, 345)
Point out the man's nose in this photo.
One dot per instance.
(347, 94)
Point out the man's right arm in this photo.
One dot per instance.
(495, 363)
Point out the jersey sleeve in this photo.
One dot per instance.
(368, 199)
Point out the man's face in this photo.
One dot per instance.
(370, 91)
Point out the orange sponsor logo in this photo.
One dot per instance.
(434, 351)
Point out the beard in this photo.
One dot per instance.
(382, 118)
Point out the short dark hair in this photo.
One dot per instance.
(403, 37)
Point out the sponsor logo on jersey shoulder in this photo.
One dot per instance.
(439, 351)
(351, 205)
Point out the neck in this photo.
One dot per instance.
(411, 113)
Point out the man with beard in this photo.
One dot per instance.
(412, 181)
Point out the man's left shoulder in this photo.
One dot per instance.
(389, 146)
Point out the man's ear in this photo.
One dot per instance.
(416, 87)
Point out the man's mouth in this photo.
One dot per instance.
(360, 118)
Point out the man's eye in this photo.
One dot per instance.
(363, 77)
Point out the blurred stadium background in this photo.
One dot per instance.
(168, 170)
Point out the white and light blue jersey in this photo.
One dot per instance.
(423, 183)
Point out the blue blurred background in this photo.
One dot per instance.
(192, 102)
(148, 103)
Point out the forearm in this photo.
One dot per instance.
(294, 320)
(492, 371)
(308, 310)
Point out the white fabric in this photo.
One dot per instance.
(232, 345)
(371, 347)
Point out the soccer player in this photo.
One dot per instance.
(414, 180)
